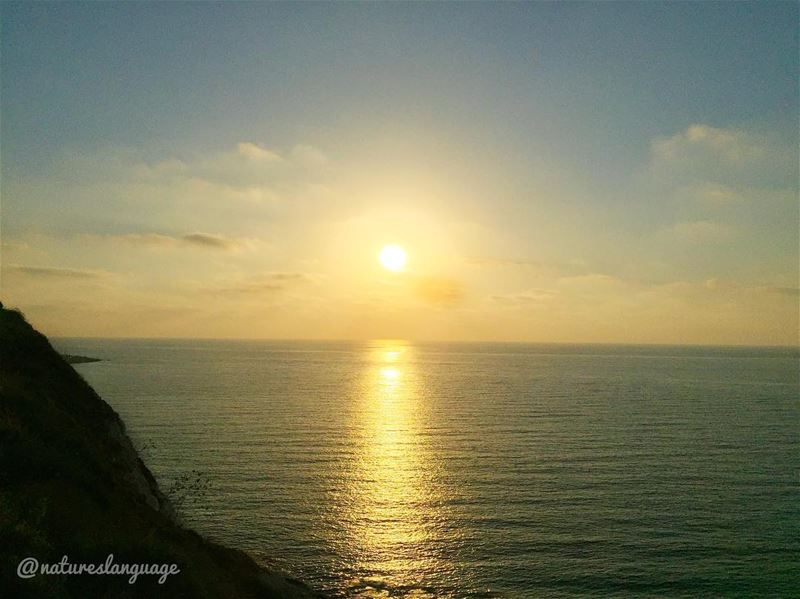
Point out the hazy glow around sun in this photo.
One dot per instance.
(393, 258)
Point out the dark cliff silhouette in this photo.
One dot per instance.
(72, 484)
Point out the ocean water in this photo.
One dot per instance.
(388, 469)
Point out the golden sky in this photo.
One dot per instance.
(547, 184)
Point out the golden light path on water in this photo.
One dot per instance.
(392, 486)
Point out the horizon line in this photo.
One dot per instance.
(439, 341)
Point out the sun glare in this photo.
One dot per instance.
(393, 258)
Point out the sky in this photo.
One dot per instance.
(556, 172)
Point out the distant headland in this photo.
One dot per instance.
(73, 359)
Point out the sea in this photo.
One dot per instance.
(395, 469)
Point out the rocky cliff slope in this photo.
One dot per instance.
(71, 484)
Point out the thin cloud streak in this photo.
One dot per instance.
(55, 272)
(208, 241)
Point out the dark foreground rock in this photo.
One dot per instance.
(71, 484)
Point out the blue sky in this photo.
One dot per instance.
(563, 131)
(128, 73)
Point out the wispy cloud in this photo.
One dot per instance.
(260, 285)
(208, 241)
(726, 144)
(440, 291)
(724, 157)
(246, 164)
(526, 297)
(258, 153)
(56, 272)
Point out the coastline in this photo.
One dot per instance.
(76, 491)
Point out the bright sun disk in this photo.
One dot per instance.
(393, 258)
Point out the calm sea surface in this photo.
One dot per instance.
(386, 469)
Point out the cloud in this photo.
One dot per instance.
(526, 297)
(257, 153)
(207, 240)
(160, 170)
(724, 157)
(264, 284)
(240, 186)
(701, 231)
(731, 145)
(58, 273)
(246, 164)
(158, 240)
(302, 155)
(439, 291)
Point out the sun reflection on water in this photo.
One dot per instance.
(391, 488)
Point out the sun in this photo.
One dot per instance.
(393, 258)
